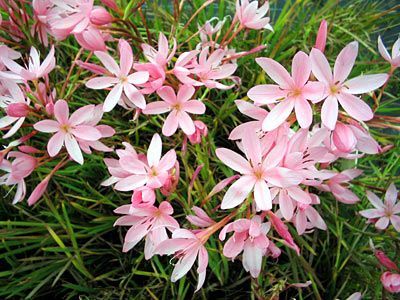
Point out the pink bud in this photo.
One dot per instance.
(91, 67)
(39, 191)
(143, 197)
(201, 130)
(200, 219)
(111, 4)
(17, 110)
(28, 149)
(343, 138)
(50, 108)
(221, 185)
(100, 16)
(386, 261)
(391, 282)
(321, 36)
(283, 231)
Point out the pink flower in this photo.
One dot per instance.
(150, 222)
(152, 172)
(200, 219)
(105, 131)
(143, 197)
(201, 130)
(307, 217)
(162, 56)
(257, 172)
(35, 69)
(342, 91)
(250, 236)
(92, 39)
(391, 282)
(120, 78)
(335, 185)
(42, 14)
(68, 129)
(321, 36)
(207, 71)
(186, 246)
(100, 16)
(385, 212)
(21, 167)
(179, 105)
(250, 16)
(393, 59)
(70, 17)
(15, 96)
(293, 91)
(343, 138)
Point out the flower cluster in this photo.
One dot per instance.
(288, 149)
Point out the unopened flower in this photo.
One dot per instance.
(393, 59)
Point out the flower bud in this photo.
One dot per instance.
(321, 36)
(17, 110)
(201, 130)
(110, 4)
(391, 282)
(100, 16)
(39, 191)
(343, 138)
(386, 261)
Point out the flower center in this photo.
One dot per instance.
(177, 107)
(258, 172)
(334, 89)
(65, 128)
(296, 92)
(153, 172)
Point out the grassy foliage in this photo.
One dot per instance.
(66, 247)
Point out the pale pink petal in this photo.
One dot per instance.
(130, 183)
(112, 98)
(184, 264)
(301, 68)
(320, 66)
(315, 218)
(55, 143)
(132, 165)
(171, 246)
(262, 195)
(355, 107)
(126, 56)
(395, 220)
(299, 195)
(365, 83)
(155, 108)
(266, 93)
(186, 123)
(391, 195)
(73, 148)
(276, 71)
(47, 126)
(382, 223)
(203, 260)
(154, 151)
(61, 111)
(345, 62)
(382, 50)
(329, 112)
(167, 161)
(372, 213)
(233, 246)
(170, 125)
(82, 115)
(134, 235)
(252, 256)
(314, 91)
(194, 107)
(135, 96)
(252, 147)
(85, 132)
(140, 77)
(108, 62)
(286, 205)
(251, 110)
(304, 112)
(278, 115)
(185, 93)
(283, 177)
(167, 94)
(233, 160)
(301, 222)
(375, 201)
(100, 83)
(238, 192)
